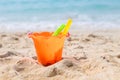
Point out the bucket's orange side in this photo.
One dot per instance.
(48, 48)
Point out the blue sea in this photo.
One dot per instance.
(41, 14)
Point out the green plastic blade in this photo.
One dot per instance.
(56, 33)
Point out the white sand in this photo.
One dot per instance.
(87, 56)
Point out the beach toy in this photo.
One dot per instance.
(48, 48)
(67, 26)
(56, 33)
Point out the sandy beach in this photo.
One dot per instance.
(92, 52)
(93, 55)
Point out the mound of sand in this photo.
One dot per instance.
(86, 56)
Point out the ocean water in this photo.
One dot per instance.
(41, 14)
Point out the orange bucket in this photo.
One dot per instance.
(48, 48)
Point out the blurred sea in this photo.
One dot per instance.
(41, 14)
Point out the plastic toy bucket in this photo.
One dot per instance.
(48, 48)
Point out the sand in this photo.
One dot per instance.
(93, 55)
